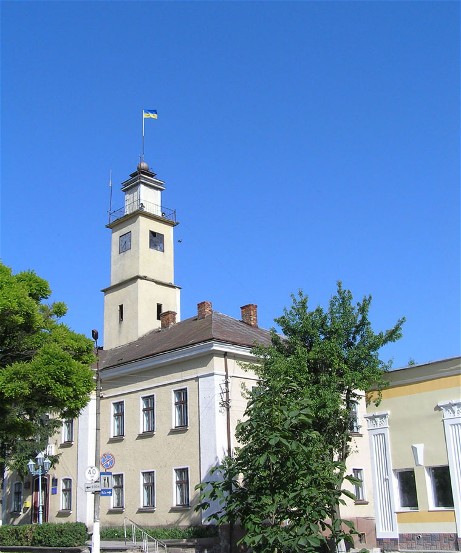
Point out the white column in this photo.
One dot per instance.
(378, 431)
(213, 436)
(452, 425)
(85, 458)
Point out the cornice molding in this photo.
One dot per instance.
(132, 279)
(451, 409)
(377, 420)
(177, 355)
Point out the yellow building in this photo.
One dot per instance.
(415, 445)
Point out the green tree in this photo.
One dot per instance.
(45, 368)
(285, 483)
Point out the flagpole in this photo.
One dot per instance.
(110, 194)
(142, 156)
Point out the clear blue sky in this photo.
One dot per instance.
(301, 143)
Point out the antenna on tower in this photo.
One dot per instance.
(110, 194)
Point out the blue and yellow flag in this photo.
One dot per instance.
(150, 114)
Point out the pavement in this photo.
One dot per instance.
(114, 546)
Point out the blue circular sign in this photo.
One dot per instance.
(107, 460)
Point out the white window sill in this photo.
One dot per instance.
(441, 509)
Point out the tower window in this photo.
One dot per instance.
(120, 312)
(156, 241)
(159, 311)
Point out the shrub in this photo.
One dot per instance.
(67, 534)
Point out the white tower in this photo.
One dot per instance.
(142, 261)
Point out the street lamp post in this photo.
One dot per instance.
(42, 467)
(96, 537)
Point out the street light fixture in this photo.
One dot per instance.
(40, 469)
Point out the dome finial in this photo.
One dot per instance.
(143, 166)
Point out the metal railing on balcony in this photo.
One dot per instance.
(147, 207)
(148, 543)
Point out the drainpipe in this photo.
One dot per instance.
(229, 446)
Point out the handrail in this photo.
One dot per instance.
(144, 206)
(144, 536)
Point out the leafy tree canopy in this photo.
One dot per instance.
(45, 368)
(284, 484)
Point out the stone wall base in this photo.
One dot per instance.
(421, 542)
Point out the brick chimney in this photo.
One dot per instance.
(250, 314)
(204, 309)
(167, 319)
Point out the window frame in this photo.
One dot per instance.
(156, 245)
(68, 431)
(118, 487)
(398, 490)
(17, 499)
(359, 474)
(181, 409)
(181, 486)
(116, 418)
(152, 485)
(149, 410)
(432, 492)
(354, 418)
(66, 494)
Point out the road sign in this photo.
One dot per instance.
(106, 480)
(106, 483)
(107, 460)
(91, 474)
(92, 487)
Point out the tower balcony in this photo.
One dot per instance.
(143, 206)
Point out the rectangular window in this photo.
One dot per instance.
(442, 494)
(117, 491)
(66, 494)
(354, 425)
(120, 313)
(156, 241)
(358, 486)
(17, 497)
(159, 311)
(406, 484)
(68, 431)
(118, 412)
(148, 489)
(182, 487)
(148, 418)
(180, 408)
